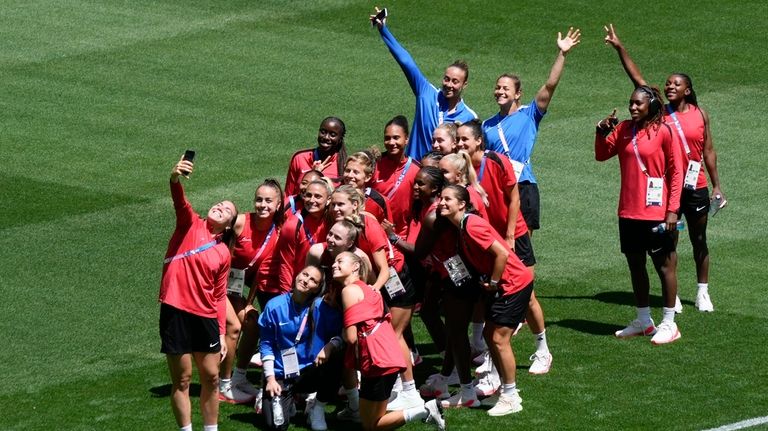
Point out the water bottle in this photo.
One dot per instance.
(716, 204)
(662, 227)
(277, 411)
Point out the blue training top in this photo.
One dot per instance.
(520, 129)
(280, 322)
(431, 104)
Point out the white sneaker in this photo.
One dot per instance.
(230, 394)
(316, 418)
(256, 360)
(435, 387)
(405, 400)
(242, 383)
(635, 328)
(485, 366)
(348, 415)
(506, 405)
(703, 303)
(435, 414)
(541, 363)
(666, 332)
(452, 379)
(678, 305)
(487, 384)
(460, 399)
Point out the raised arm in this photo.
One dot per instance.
(415, 78)
(544, 95)
(626, 61)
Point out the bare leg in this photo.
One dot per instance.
(180, 369)
(208, 367)
(639, 275)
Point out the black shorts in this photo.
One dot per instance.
(182, 332)
(508, 310)
(529, 203)
(636, 236)
(377, 388)
(406, 299)
(524, 250)
(694, 203)
(469, 291)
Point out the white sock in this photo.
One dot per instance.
(415, 413)
(214, 427)
(508, 389)
(668, 315)
(353, 399)
(541, 342)
(703, 287)
(644, 314)
(223, 383)
(186, 428)
(398, 386)
(409, 386)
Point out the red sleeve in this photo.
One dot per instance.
(509, 174)
(295, 168)
(184, 212)
(479, 233)
(286, 249)
(374, 238)
(605, 147)
(675, 161)
(221, 297)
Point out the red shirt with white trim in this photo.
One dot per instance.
(497, 177)
(373, 238)
(296, 237)
(196, 284)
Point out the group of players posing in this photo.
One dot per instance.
(442, 219)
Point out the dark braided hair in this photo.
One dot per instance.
(341, 160)
(655, 111)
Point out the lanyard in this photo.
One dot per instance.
(503, 139)
(302, 326)
(315, 155)
(263, 246)
(191, 252)
(400, 178)
(481, 172)
(637, 153)
(679, 131)
(439, 116)
(292, 202)
(307, 233)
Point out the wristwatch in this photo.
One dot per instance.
(494, 284)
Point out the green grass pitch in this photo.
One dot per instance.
(100, 98)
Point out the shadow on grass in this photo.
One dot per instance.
(587, 326)
(165, 390)
(612, 297)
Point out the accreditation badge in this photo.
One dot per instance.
(692, 175)
(654, 191)
(235, 282)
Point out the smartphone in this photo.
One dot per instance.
(380, 16)
(189, 155)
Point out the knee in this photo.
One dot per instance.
(233, 330)
(181, 383)
(212, 380)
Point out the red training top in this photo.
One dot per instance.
(299, 233)
(660, 153)
(197, 283)
(477, 236)
(497, 177)
(399, 196)
(263, 273)
(301, 163)
(376, 205)
(373, 238)
(692, 123)
(377, 347)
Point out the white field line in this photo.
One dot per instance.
(741, 425)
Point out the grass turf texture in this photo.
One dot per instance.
(101, 98)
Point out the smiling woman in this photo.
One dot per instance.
(193, 301)
(329, 157)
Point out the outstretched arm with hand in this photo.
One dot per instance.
(626, 61)
(565, 44)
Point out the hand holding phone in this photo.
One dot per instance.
(189, 156)
(380, 18)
